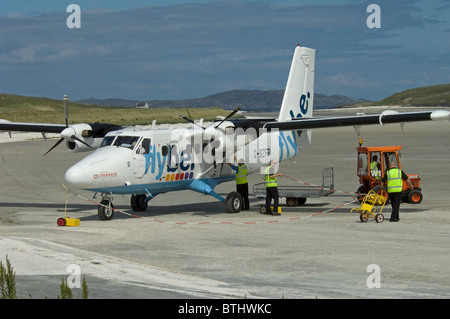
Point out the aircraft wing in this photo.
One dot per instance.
(79, 137)
(31, 127)
(387, 117)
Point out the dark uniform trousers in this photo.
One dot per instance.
(242, 189)
(271, 192)
(396, 199)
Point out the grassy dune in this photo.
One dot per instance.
(435, 95)
(17, 108)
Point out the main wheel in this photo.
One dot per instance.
(105, 210)
(233, 202)
(138, 203)
(415, 197)
(290, 201)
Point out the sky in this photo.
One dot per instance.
(172, 49)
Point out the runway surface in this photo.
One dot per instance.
(187, 246)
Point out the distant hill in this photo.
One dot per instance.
(249, 100)
(435, 95)
(17, 108)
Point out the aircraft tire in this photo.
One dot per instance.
(233, 202)
(291, 201)
(138, 203)
(105, 213)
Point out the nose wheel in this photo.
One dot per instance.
(105, 209)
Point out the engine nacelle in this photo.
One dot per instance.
(76, 134)
(76, 146)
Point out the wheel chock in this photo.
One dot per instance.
(66, 221)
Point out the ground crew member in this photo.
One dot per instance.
(271, 188)
(241, 182)
(375, 168)
(394, 180)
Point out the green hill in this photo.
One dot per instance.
(16, 108)
(436, 95)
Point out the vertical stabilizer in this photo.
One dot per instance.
(299, 94)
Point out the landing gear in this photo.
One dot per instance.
(106, 209)
(233, 202)
(138, 203)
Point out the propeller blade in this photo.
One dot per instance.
(66, 110)
(57, 143)
(190, 121)
(228, 116)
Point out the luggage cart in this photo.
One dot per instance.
(297, 195)
(371, 207)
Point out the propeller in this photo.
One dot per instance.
(228, 116)
(68, 132)
(189, 119)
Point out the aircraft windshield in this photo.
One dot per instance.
(107, 141)
(126, 141)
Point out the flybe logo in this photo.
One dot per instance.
(304, 104)
(155, 158)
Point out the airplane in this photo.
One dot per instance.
(144, 163)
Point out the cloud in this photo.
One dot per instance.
(192, 50)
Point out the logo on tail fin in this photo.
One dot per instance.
(303, 105)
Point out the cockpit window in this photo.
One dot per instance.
(107, 141)
(126, 141)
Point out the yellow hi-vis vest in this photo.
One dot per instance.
(241, 175)
(270, 181)
(394, 180)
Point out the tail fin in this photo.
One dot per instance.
(299, 94)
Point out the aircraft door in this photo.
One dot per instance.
(142, 158)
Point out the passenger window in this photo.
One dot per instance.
(164, 150)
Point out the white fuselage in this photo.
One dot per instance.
(161, 160)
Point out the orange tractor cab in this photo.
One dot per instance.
(372, 165)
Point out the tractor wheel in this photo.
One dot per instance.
(379, 191)
(415, 196)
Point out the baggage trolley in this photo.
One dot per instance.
(371, 207)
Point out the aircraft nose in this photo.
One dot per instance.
(76, 176)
